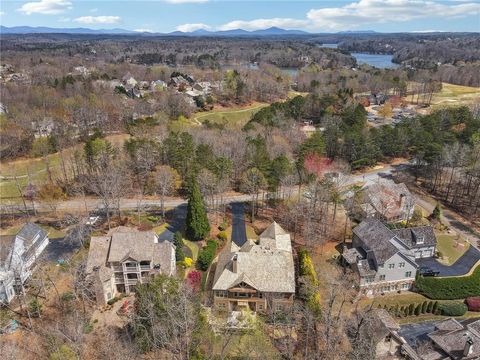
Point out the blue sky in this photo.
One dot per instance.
(189, 15)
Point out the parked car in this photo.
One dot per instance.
(426, 271)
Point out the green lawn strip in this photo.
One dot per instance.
(193, 248)
(446, 246)
(160, 229)
(431, 317)
(53, 233)
(230, 116)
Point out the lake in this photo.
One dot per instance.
(378, 60)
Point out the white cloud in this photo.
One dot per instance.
(2, 13)
(186, 1)
(363, 14)
(366, 12)
(143, 30)
(46, 7)
(192, 27)
(259, 24)
(98, 19)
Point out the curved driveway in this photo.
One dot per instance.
(461, 267)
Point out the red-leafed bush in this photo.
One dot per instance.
(317, 165)
(194, 279)
(473, 303)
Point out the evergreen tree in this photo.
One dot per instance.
(424, 307)
(430, 307)
(197, 220)
(418, 309)
(411, 308)
(437, 212)
(435, 307)
(178, 242)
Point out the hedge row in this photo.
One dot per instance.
(206, 255)
(453, 308)
(449, 288)
(426, 307)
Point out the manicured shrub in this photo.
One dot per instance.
(473, 303)
(206, 255)
(411, 309)
(223, 226)
(187, 262)
(418, 308)
(430, 307)
(449, 288)
(453, 308)
(194, 279)
(424, 307)
(178, 242)
(222, 235)
(435, 307)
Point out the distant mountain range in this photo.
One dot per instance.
(272, 31)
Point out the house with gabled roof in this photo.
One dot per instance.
(259, 275)
(124, 258)
(388, 201)
(18, 255)
(384, 259)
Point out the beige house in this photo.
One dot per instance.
(124, 258)
(258, 275)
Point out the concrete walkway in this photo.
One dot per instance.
(461, 267)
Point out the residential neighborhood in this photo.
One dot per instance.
(228, 180)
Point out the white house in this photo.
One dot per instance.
(384, 259)
(18, 254)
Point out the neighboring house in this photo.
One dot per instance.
(43, 127)
(129, 81)
(453, 339)
(158, 85)
(384, 259)
(124, 258)
(18, 254)
(259, 276)
(388, 202)
(386, 339)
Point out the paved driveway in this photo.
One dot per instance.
(414, 334)
(460, 267)
(239, 233)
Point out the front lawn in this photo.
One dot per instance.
(451, 248)
(193, 248)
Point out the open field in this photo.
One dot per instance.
(234, 117)
(455, 95)
(35, 169)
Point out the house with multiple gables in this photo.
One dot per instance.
(455, 339)
(257, 275)
(385, 260)
(124, 258)
(388, 201)
(18, 254)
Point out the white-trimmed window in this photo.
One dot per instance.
(405, 286)
(391, 266)
(401, 265)
(382, 277)
(408, 274)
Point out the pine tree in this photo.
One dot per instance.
(178, 242)
(411, 308)
(437, 212)
(197, 226)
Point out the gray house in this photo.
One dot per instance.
(384, 259)
(18, 254)
(124, 258)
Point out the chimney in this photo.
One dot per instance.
(468, 349)
(234, 263)
(402, 200)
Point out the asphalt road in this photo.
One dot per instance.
(239, 233)
(461, 267)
